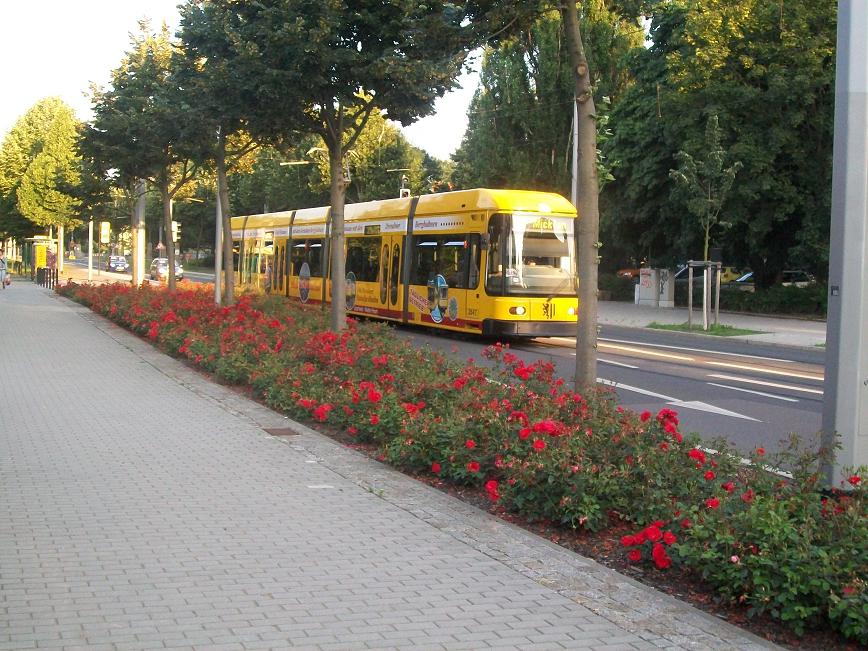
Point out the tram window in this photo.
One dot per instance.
(445, 255)
(309, 251)
(384, 273)
(363, 257)
(396, 265)
(494, 272)
(473, 262)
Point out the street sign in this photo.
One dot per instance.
(105, 229)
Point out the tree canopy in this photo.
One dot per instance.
(38, 165)
(767, 70)
(141, 127)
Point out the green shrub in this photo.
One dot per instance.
(798, 301)
(616, 288)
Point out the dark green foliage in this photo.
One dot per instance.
(616, 288)
(767, 70)
(519, 132)
(810, 301)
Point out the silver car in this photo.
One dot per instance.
(160, 269)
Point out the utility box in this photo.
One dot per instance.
(656, 288)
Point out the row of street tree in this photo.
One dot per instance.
(676, 98)
(241, 76)
(763, 70)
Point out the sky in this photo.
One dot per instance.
(59, 47)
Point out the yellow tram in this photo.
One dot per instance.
(491, 262)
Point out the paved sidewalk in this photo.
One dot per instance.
(775, 330)
(144, 507)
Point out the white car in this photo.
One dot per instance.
(160, 269)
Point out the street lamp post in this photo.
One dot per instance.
(402, 191)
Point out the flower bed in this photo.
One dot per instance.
(776, 545)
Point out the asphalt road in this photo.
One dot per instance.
(752, 395)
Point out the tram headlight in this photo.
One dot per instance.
(518, 310)
(572, 311)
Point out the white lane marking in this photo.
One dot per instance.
(320, 486)
(652, 353)
(734, 378)
(700, 350)
(759, 393)
(610, 361)
(686, 348)
(759, 369)
(687, 404)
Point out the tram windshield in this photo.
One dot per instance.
(530, 255)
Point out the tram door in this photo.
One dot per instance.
(389, 277)
(278, 276)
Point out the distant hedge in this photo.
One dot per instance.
(797, 301)
(616, 288)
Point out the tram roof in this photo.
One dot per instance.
(460, 201)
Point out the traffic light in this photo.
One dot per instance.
(105, 231)
(176, 231)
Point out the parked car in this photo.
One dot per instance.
(744, 283)
(117, 263)
(727, 274)
(627, 273)
(160, 269)
(796, 278)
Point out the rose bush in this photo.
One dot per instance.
(775, 544)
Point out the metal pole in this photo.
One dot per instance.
(139, 235)
(60, 250)
(689, 295)
(845, 403)
(717, 296)
(705, 295)
(218, 250)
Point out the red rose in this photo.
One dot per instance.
(669, 537)
(697, 454)
(747, 496)
(634, 555)
(539, 445)
(760, 451)
(644, 416)
(473, 466)
(435, 468)
(712, 502)
(470, 444)
(661, 558)
(709, 476)
(854, 480)
(728, 487)
(375, 420)
(524, 433)
(653, 533)
(627, 541)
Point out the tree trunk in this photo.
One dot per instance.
(588, 228)
(167, 224)
(338, 198)
(223, 185)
